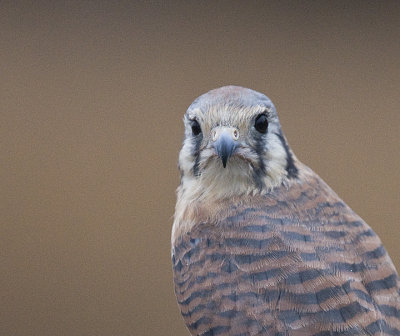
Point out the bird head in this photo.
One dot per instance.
(233, 144)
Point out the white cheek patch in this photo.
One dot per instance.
(275, 159)
(186, 158)
(248, 154)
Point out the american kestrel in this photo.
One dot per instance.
(260, 244)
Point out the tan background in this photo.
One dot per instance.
(91, 100)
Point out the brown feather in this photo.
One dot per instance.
(296, 261)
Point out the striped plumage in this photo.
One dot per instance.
(288, 258)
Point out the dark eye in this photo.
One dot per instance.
(261, 123)
(196, 129)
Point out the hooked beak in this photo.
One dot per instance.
(225, 142)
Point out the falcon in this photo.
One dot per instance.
(261, 245)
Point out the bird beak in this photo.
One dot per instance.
(225, 142)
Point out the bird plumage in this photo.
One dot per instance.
(264, 246)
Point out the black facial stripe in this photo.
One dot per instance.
(291, 168)
(259, 148)
(196, 153)
(260, 172)
(258, 178)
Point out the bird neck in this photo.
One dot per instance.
(206, 198)
(198, 202)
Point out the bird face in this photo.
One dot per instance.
(234, 143)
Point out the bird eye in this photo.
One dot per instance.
(261, 123)
(196, 129)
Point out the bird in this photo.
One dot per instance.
(261, 245)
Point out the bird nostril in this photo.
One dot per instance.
(235, 135)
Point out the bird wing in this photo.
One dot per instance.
(297, 261)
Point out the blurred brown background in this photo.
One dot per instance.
(91, 100)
